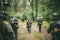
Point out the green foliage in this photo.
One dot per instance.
(26, 13)
(42, 10)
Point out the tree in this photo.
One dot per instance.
(37, 1)
(16, 5)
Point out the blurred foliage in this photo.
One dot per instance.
(45, 9)
(28, 13)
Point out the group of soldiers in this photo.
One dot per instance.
(39, 23)
(9, 31)
(54, 28)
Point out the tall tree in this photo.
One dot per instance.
(32, 10)
(37, 1)
(16, 5)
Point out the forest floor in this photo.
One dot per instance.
(34, 35)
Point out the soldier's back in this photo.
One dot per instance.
(5, 30)
(53, 24)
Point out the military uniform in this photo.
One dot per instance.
(39, 22)
(29, 24)
(54, 28)
(6, 31)
(14, 24)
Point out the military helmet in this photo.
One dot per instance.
(55, 14)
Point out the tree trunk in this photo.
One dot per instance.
(36, 7)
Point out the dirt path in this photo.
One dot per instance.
(47, 36)
(28, 36)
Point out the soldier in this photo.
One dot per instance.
(14, 24)
(39, 20)
(54, 27)
(6, 31)
(29, 24)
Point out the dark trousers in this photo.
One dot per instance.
(39, 27)
(29, 29)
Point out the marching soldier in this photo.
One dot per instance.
(14, 24)
(39, 22)
(6, 31)
(29, 24)
(54, 27)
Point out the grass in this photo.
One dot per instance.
(39, 36)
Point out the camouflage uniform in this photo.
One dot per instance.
(39, 20)
(29, 24)
(14, 24)
(6, 31)
(54, 28)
